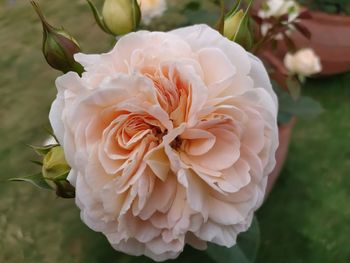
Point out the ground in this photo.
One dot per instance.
(305, 219)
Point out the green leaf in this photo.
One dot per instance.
(245, 251)
(36, 179)
(304, 107)
(294, 87)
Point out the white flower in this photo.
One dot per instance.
(151, 9)
(304, 62)
(278, 8)
(170, 137)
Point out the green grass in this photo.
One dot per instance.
(306, 218)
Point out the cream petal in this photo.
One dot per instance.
(224, 213)
(158, 161)
(195, 189)
(129, 246)
(223, 67)
(195, 242)
(198, 141)
(221, 235)
(160, 200)
(224, 153)
(202, 36)
(261, 78)
(235, 177)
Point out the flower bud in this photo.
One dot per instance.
(55, 167)
(304, 62)
(58, 46)
(232, 23)
(236, 26)
(121, 16)
(55, 171)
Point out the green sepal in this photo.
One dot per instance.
(220, 24)
(42, 150)
(37, 162)
(64, 189)
(243, 35)
(136, 13)
(58, 46)
(36, 179)
(231, 32)
(98, 18)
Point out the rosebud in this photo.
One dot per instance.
(58, 46)
(232, 23)
(121, 16)
(118, 17)
(236, 26)
(55, 167)
(55, 171)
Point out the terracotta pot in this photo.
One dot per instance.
(285, 132)
(330, 38)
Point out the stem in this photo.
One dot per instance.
(40, 14)
(271, 33)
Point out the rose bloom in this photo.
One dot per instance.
(170, 137)
(304, 62)
(278, 8)
(151, 9)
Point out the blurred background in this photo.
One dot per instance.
(306, 218)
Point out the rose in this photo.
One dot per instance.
(278, 8)
(304, 62)
(170, 137)
(151, 9)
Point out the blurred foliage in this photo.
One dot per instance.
(306, 218)
(329, 6)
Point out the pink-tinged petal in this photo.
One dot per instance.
(195, 189)
(160, 200)
(198, 141)
(195, 242)
(224, 213)
(236, 177)
(261, 78)
(173, 156)
(130, 246)
(177, 207)
(158, 161)
(218, 234)
(224, 153)
(55, 118)
(239, 85)
(223, 67)
(203, 36)
(159, 247)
